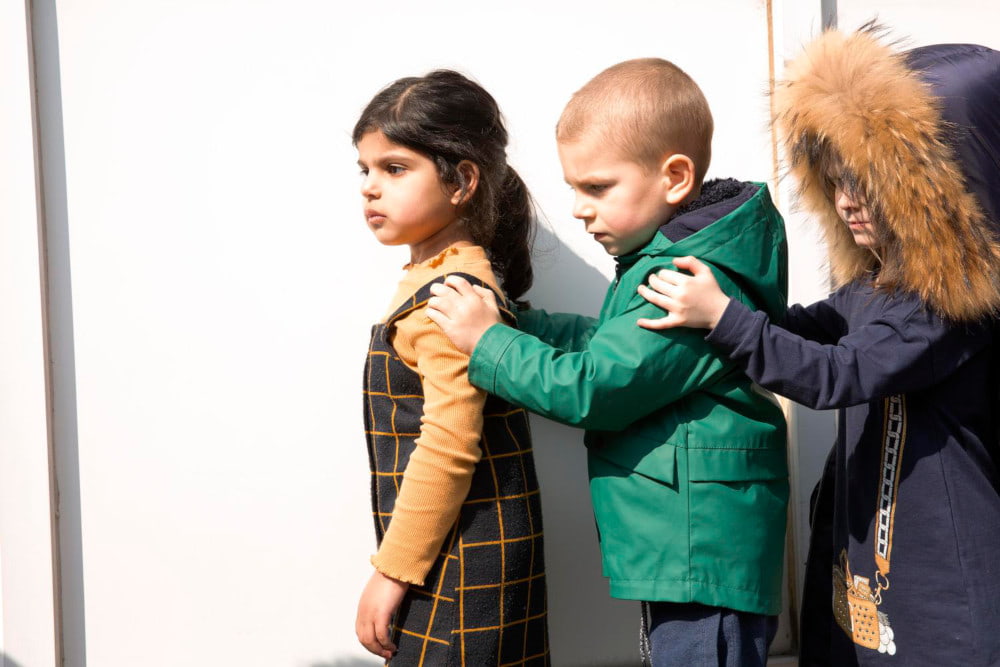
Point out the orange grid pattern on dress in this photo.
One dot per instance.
(484, 599)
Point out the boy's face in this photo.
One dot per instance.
(621, 203)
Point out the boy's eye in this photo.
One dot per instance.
(596, 188)
(363, 171)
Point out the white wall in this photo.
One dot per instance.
(222, 283)
(212, 287)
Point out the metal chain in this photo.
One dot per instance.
(644, 650)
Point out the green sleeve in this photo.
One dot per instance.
(566, 331)
(622, 373)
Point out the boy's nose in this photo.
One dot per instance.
(582, 209)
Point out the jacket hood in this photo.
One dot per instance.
(733, 226)
(917, 136)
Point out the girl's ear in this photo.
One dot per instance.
(678, 178)
(470, 174)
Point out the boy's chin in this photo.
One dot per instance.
(617, 248)
(611, 249)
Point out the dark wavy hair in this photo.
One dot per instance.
(450, 118)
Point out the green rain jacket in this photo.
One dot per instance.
(686, 456)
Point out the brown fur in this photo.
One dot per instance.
(849, 97)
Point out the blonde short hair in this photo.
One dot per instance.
(648, 108)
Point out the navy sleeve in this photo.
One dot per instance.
(819, 322)
(897, 350)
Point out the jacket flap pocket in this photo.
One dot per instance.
(650, 458)
(736, 465)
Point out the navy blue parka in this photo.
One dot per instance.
(904, 561)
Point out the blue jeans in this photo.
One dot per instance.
(695, 635)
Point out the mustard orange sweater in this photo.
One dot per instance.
(439, 473)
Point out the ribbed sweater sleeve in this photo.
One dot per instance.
(439, 473)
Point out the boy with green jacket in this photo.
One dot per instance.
(686, 455)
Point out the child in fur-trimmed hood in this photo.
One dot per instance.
(897, 156)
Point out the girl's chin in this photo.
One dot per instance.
(863, 240)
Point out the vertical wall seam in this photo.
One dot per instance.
(770, 100)
(43, 263)
(790, 523)
(58, 332)
(828, 12)
(829, 19)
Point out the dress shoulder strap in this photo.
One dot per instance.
(419, 298)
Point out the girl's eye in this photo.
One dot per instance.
(363, 171)
(395, 169)
(830, 183)
(596, 188)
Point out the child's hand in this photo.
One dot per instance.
(690, 301)
(463, 311)
(379, 601)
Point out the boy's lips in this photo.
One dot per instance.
(373, 217)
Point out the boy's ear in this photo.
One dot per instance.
(470, 174)
(678, 178)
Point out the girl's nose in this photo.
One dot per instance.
(843, 200)
(369, 187)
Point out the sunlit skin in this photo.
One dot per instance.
(405, 203)
(620, 202)
(856, 216)
(697, 301)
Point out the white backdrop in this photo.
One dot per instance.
(212, 283)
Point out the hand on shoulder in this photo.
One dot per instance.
(694, 300)
(463, 311)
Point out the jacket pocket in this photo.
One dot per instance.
(736, 465)
(648, 457)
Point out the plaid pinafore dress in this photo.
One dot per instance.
(484, 600)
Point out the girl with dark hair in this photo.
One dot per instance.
(459, 574)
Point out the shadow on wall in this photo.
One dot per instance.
(345, 662)
(7, 661)
(586, 626)
(563, 281)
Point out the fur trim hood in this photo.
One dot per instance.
(902, 143)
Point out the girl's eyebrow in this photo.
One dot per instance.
(389, 157)
(395, 156)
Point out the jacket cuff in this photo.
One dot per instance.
(728, 333)
(486, 357)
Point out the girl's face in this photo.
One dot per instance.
(855, 214)
(405, 201)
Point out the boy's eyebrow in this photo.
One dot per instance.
(589, 179)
